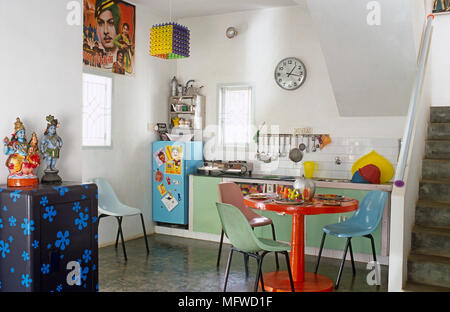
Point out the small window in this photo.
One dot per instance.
(97, 93)
(235, 114)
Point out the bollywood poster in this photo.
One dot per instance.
(109, 29)
(441, 6)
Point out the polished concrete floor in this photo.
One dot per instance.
(177, 264)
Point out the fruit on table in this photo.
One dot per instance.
(286, 193)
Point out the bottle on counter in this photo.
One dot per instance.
(174, 85)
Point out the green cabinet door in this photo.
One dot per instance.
(205, 218)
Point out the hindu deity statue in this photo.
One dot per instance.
(23, 157)
(50, 148)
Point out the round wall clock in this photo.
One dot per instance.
(290, 73)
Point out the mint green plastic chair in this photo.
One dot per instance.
(244, 240)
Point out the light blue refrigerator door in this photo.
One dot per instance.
(170, 204)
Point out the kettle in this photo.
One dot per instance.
(306, 188)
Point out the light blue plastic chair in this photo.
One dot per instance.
(363, 222)
(109, 205)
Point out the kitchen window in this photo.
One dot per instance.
(235, 114)
(97, 93)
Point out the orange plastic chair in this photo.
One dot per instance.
(230, 193)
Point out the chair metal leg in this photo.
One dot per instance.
(246, 264)
(320, 251)
(119, 219)
(374, 254)
(259, 259)
(227, 270)
(342, 264)
(351, 256)
(276, 253)
(145, 233)
(291, 281)
(117, 236)
(220, 248)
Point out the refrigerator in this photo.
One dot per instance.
(172, 163)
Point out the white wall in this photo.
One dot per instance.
(136, 102)
(265, 37)
(371, 67)
(41, 75)
(440, 52)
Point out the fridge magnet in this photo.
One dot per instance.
(109, 28)
(23, 157)
(160, 157)
(179, 197)
(168, 180)
(162, 189)
(173, 152)
(169, 201)
(173, 168)
(159, 176)
(176, 182)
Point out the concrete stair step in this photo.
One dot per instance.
(440, 114)
(429, 270)
(432, 213)
(418, 287)
(435, 190)
(437, 149)
(431, 241)
(436, 169)
(439, 131)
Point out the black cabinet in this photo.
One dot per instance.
(49, 238)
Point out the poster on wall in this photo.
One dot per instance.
(109, 28)
(441, 6)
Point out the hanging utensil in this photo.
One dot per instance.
(302, 146)
(295, 154)
(279, 145)
(258, 155)
(268, 157)
(314, 144)
(319, 141)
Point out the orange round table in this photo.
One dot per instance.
(303, 281)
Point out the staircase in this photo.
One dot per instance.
(429, 260)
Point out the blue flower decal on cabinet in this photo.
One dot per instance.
(50, 212)
(42, 231)
(63, 240)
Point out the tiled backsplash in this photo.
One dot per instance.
(348, 150)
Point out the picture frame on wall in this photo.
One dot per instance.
(109, 28)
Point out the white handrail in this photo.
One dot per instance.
(406, 142)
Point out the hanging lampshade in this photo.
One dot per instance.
(169, 41)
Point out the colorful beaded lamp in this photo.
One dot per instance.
(169, 41)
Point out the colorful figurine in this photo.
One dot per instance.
(50, 147)
(23, 157)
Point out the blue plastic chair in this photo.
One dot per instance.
(109, 205)
(363, 222)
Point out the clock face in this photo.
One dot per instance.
(290, 73)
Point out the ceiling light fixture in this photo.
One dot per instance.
(231, 32)
(169, 40)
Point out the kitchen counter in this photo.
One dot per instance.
(289, 180)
